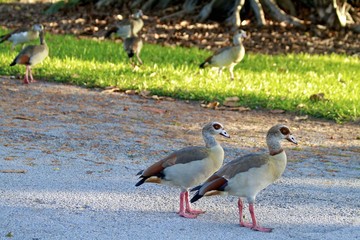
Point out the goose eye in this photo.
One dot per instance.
(216, 126)
(284, 130)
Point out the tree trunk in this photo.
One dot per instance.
(187, 8)
(258, 12)
(205, 11)
(234, 20)
(287, 6)
(341, 11)
(279, 15)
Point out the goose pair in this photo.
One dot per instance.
(126, 27)
(32, 55)
(227, 57)
(22, 35)
(128, 30)
(244, 177)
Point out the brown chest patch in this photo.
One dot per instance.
(24, 59)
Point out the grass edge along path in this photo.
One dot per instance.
(290, 82)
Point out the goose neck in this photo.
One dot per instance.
(273, 145)
(209, 140)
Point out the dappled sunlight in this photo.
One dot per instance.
(261, 81)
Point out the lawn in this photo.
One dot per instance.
(261, 81)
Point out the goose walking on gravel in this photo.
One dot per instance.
(188, 167)
(228, 57)
(22, 35)
(32, 55)
(124, 28)
(246, 176)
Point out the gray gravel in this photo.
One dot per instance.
(80, 149)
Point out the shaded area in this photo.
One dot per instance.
(87, 21)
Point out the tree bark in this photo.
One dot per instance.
(188, 7)
(235, 20)
(279, 15)
(205, 11)
(258, 12)
(287, 6)
(149, 4)
(341, 11)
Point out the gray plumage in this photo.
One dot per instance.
(189, 166)
(133, 46)
(247, 175)
(22, 35)
(123, 29)
(32, 55)
(228, 57)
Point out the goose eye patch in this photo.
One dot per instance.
(217, 126)
(285, 130)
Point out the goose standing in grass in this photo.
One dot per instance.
(32, 55)
(133, 24)
(132, 46)
(227, 56)
(246, 176)
(22, 35)
(188, 167)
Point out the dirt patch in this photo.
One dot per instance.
(43, 100)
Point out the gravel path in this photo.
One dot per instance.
(69, 156)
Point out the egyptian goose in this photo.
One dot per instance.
(188, 167)
(22, 35)
(227, 56)
(32, 55)
(132, 46)
(124, 28)
(246, 176)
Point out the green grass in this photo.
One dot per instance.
(261, 81)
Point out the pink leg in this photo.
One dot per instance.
(31, 76)
(255, 226)
(182, 211)
(26, 77)
(188, 206)
(242, 223)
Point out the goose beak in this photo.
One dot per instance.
(225, 134)
(291, 138)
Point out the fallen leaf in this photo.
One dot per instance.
(232, 99)
(156, 97)
(301, 118)
(212, 105)
(13, 171)
(130, 92)
(111, 90)
(230, 104)
(24, 118)
(239, 109)
(277, 111)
